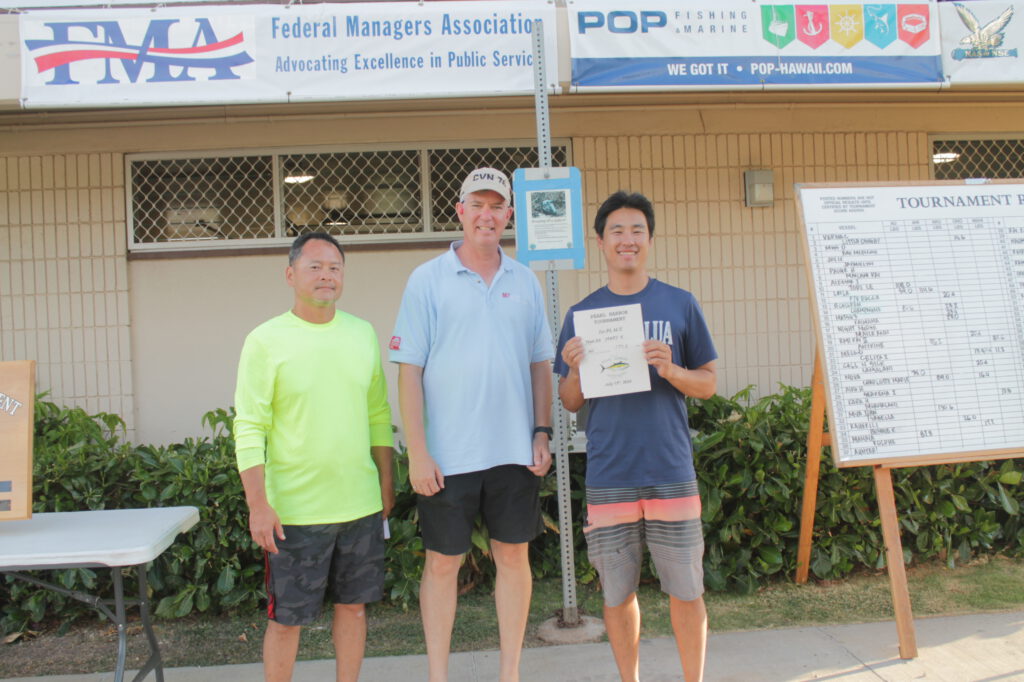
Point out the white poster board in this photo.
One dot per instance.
(918, 294)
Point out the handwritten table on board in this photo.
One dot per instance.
(919, 294)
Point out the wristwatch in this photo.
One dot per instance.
(544, 429)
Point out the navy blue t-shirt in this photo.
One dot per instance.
(642, 439)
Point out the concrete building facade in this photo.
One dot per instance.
(155, 336)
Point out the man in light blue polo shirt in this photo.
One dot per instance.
(474, 388)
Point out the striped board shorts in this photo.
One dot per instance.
(665, 517)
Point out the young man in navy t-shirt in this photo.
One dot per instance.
(641, 484)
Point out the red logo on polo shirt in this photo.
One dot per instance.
(505, 294)
(396, 343)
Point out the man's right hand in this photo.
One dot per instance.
(424, 475)
(264, 526)
(572, 353)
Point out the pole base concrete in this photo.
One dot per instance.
(590, 629)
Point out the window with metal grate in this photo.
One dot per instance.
(983, 157)
(236, 200)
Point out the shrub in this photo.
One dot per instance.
(750, 459)
(81, 463)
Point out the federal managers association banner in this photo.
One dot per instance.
(702, 44)
(279, 53)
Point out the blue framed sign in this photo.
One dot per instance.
(549, 218)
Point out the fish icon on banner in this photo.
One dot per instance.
(914, 24)
(880, 24)
(812, 26)
(778, 24)
(847, 24)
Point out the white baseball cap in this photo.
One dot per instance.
(483, 179)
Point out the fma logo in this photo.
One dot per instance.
(167, 50)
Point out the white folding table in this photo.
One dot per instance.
(115, 538)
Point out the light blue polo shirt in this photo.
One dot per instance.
(475, 344)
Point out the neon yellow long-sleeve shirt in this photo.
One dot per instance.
(310, 402)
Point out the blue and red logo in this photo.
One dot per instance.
(165, 51)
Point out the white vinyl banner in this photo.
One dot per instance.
(280, 53)
(735, 44)
(982, 42)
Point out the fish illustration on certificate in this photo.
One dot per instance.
(613, 351)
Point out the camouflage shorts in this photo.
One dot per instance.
(344, 561)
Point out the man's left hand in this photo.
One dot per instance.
(659, 356)
(387, 498)
(541, 454)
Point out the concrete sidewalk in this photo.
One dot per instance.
(977, 648)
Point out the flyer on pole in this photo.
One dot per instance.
(549, 218)
(613, 361)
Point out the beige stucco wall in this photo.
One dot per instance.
(64, 277)
(157, 340)
(191, 316)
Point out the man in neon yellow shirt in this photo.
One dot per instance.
(314, 447)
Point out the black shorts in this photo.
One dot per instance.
(344, 561)
(506, 496)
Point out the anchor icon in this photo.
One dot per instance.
(812, 29)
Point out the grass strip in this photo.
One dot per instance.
(989, 584)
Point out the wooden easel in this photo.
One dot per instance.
(818, 438)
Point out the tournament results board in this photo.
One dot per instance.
(918, 293)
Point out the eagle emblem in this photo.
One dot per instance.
(983, 40)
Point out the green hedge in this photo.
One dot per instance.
(750, 462)
(82, 462)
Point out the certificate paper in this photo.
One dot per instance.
(613, 360)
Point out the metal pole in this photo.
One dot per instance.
(155, 662)
(121, 622)
(560, 442)
(540, 96)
